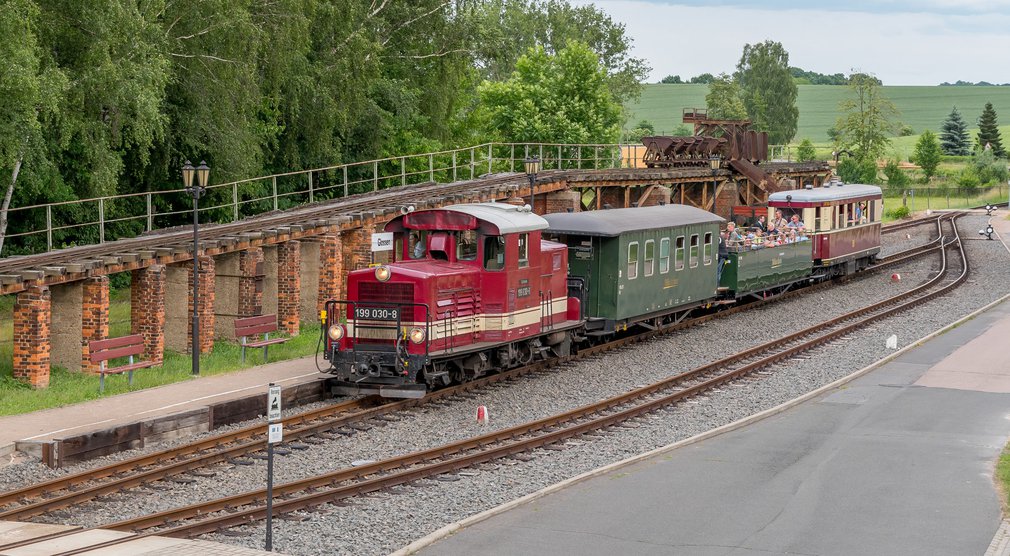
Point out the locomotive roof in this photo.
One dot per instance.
(832, 193)
(500, 218)
(614, 222)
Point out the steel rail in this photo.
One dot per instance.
(420, 464)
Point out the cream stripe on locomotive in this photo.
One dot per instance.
(443, 328)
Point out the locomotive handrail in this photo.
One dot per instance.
(353, 340)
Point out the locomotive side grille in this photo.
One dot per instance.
(389, 292)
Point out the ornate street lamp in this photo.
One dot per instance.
(532, 167)
(713, 162)
(202, 173)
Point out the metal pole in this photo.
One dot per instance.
(490, 159)
(375, 176)
(150, 214)
(312, 192)
(431, 167)
(101, 221)
(196, 281)
(49, 227)
(270, 496)
(274, 182)
(234, 202)
(345, 180)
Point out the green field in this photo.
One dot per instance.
(921, 107)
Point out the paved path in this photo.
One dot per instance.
(899, 461)
(152, 402)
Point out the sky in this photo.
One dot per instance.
(902, 42)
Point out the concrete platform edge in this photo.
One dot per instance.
(1000, 545)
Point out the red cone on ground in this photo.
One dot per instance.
(482, 414)
(895, 277)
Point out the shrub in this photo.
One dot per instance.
(805, 152)
(855, 171)
(898, 213)
(906, 130)
(989, 169)
(896, 177)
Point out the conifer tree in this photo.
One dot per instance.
(954, 135)
(988, 131)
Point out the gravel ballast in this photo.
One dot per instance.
(382, 523)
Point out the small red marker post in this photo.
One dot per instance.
(895, 277)
(482, 417)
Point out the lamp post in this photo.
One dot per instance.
(713, 162)
(532, 167)
(202, 173)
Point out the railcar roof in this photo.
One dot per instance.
(818, 194)
(509, 219)
(614, 222)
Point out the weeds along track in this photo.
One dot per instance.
(319, 425)
(332, 487)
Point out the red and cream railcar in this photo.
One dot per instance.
(471, 289)
(841, 220)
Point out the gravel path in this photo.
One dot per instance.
(375, 525)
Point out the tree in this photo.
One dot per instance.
(672, 79)
(703, 78)
(562, 98)
(927, 153)
(954, 135)
(643, 128)
(723, 99)
(868, 119)
(768, 90)
(805, 152)
(988, 131)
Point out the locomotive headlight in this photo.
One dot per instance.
(335, 332)
(382, 273)
(417, 335)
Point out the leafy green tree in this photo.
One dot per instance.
(988, 168)
(768, 90)
(988, 131)
(562, 98)
(704, 78)
(723, 99)
(954, 135)
(897, 179)
(868, 119)
(854, 170)
(643, 128)
(927, 153)
(672, 79)
(805, 152)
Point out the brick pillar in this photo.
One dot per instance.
(94, 317)
(289, 286)
(147, 309)
(331, 270)
(32, 316)
(206, 306)
(250, 285)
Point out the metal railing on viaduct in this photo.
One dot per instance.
(58, 225)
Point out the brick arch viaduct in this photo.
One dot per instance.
(289, 262)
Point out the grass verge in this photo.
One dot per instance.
(922, 202)
(1003, 477)
(66, 388)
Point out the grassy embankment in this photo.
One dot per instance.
(67, 388)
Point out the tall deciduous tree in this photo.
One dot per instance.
(954, 135)
(768, 90)
(927, 153)
(723, 99)
(562, 98)
(988, 131)
(868, 119)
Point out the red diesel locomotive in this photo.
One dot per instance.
(471, 288)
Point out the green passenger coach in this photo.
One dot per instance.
(639, 264)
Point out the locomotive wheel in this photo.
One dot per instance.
(524, 353)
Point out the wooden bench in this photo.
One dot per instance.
(253, 327)
(103, 351)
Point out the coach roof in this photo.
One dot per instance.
(819, 194)
(614, 222)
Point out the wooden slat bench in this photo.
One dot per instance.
(252, 327)
(103, 351)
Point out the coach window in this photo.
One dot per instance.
(633, 260)
(650, 257)
(494, 252)
(693, 261)
(679, 254)
(524, 242)
(466, 245)
(707, 250)
(664, 255)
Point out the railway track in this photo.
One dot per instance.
(308, 428)
(396, 471)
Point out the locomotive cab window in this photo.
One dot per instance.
(633, 260)
(650, 257)
(679, 254)
(524, 242)
(707, 251)
(466, 245)
(416, 242)
(694, 251)
(664, 255)
(494, 252)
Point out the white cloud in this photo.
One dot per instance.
(901, 48)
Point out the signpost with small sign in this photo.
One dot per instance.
(275, 434)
